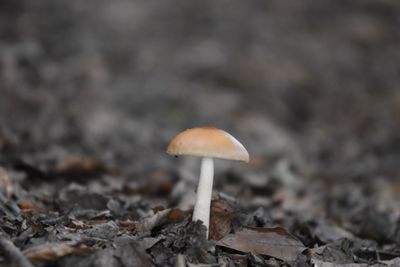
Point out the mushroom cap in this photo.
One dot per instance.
(208, 142)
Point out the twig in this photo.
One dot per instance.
(13, 254)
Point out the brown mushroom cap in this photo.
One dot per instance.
(208, 142)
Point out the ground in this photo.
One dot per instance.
(91, 92)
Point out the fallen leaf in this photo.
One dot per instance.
(145, 226)
(28, 207)
(222, 214)
(275, 242)
(53, 251)
(103, 231)
(329, 233)
(158, 183)
(185, 237)
(75, 163)
(148, 242)
(76, 167)
(332, 253)
(176, 215)
(77, 224)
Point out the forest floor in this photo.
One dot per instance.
(91, 92)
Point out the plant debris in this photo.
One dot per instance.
(274, 242)
(53, 251)
(91, 92)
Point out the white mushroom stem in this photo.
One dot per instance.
(204, 191)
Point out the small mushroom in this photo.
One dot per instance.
(208, 143)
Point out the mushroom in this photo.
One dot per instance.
(208, 143)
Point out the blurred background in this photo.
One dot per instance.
(311, 88)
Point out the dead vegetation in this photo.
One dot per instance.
(91, 92)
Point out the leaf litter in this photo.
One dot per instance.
(274, 242)
(83, 176)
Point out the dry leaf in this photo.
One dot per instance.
(176, 215)
(145, 226)
(275, 242)
(77, 163)
(165, 216)
(331, 253)
(77, 224)
(222, 214)
(53, 251)
(28, 207)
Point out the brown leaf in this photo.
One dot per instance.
(77, 224)
(176, 215)
(28, 207)
(76, 167)
(222, 214)
(78, 163)
(53, 251)
(275, 242)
